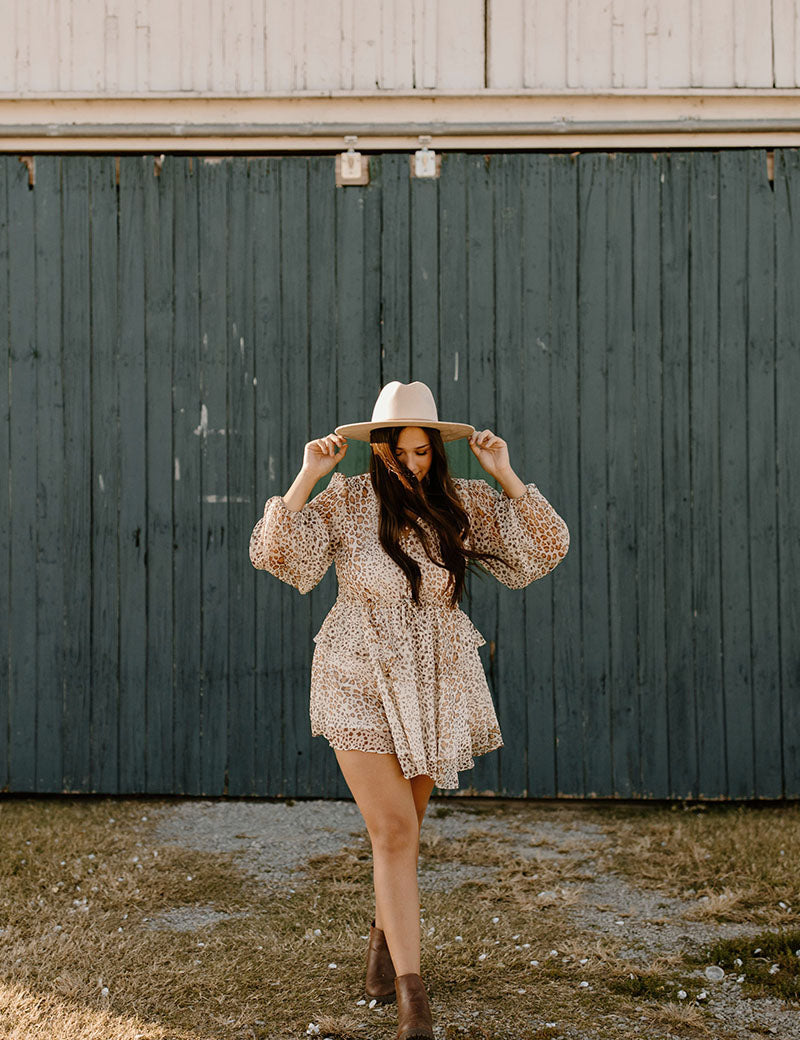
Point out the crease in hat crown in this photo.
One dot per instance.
(405, 404)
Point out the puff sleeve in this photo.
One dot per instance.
(526, 531)
(298, 546)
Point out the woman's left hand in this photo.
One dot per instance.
(491, 451)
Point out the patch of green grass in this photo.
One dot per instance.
(657, 986)
(769, 962)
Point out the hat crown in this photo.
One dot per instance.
(405, 401)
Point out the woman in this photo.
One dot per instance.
(397, 684)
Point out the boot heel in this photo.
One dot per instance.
(380, 970)
(414, 1020)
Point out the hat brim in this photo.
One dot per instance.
(449, 431)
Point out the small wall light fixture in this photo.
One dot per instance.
(351, 166)
(425, 163)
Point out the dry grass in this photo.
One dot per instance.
(78, 960)
(736, 863)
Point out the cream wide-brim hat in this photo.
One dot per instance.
(405, 404)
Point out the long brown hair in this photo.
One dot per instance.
(402, 499)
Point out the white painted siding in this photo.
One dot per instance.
(241, 47)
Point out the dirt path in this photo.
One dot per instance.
(275, 840)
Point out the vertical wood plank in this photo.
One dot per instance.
(64, 32)
(425, 43)
(50, 458)
(397, 48)
(240, 442)
(126, 72)
(5, 501)
(164, 51)
(271, 470)
(322, 32)
(482, 411)
(324, 362)
(22, 478)
(258, 47)
(647, 506)
(453, 396)
(279, 27)
(539, 346)
(682, 726)
(704, 346)
(593, 391)
(545, 34)
(510, 361)
(453, 333)
(8, 44)
(87, 43)
(299, 65)
(589, 48)
(361, 46)
(105, 428)
(735, 587)
(395, 267)
(752, 45)
(762, 478)
(133, 476)
(507, 40)
(77, 475)
(142, 35)
(297, 430)
(651, 46)
(348, 47)
(629, 53)
(626, 721)
(712, 43)
(787, 416)
(568, 675)
(423, 275)
(676, 45)
(214, 432)
(187, 418)
(460, 47)
(43, 46)
(785, 15)
(111, 47)
(20, 32)
(159, 211)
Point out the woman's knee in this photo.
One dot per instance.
(395, 833)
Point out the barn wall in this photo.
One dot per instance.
(109, 47)
(629, 323)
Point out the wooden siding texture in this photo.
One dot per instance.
(108, 47)
(630, 323)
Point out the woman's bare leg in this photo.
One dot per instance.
(386, 800)
(421, 787)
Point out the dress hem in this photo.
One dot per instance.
(447, 773)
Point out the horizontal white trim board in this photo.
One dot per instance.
(320, 122)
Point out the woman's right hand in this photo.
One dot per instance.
(320, 456)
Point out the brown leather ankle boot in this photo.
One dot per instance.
(413, 1010)
(380, 970)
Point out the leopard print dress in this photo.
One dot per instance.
(387, 675)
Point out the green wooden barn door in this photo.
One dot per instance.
(174, 333)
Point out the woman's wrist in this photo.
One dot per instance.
(510, 483)
(302, 486)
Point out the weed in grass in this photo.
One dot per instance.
(681, 1019)
(767, 963)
